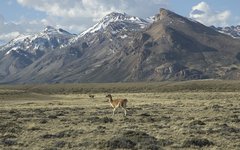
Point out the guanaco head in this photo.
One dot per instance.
(91, 96)
(109, 96)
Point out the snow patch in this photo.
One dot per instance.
(123, 36)
(8, 52)
(42, 40)
(112, 51)
(151, 19)
(114, 17)
(229, 34)
(13, 49)
(21, 38)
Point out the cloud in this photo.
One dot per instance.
(74, 16)
(8, 36)
(94, 9)
(9, 2)
(80, 14)
(10, 30)
(204, 14)
(7, 30)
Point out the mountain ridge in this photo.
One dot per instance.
(172, 47)
(113, 18)
(233, 31)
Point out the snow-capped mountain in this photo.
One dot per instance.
(49, 39)
(26, 49)
(113, 23)
(117, 22)
(233, 31)
(123, 48)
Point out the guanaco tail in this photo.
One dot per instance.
(122, 103)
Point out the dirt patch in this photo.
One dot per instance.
(196, 122)
(120, 142)
(216, 107)
(9, 141)
(10, 127)
(62, 134)
(133, 140)
(228, 130)
(60, 144)
(197, 142)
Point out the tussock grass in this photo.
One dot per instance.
(189, 115)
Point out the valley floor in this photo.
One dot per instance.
(170, 120)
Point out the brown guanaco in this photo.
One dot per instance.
(122, 103)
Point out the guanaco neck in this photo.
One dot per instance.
(110, 98)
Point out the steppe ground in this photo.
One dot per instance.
(184, 115)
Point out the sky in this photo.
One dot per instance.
(31, 16)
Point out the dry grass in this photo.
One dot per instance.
(160, 120)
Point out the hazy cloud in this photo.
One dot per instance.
(8, 36)
(78, 15)
(9, 2)
(10, 30)
(94, 9)
(7, 30)
(204, 14)
(75, 15)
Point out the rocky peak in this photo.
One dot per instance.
(49, 29)
(124, 21)
(115, 16)
(53, 31)
(165, 13)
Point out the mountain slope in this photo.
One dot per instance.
(181, 49)
(86, 54)
(114, 23)
(25, 49)
(171, 48)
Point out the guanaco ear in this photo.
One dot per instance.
(108, 95)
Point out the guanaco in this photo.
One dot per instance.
(91, 96)
(118, 103)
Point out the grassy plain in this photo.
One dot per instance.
(165, 115)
